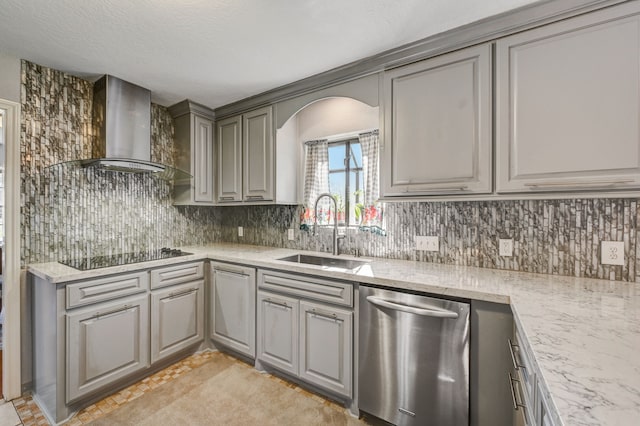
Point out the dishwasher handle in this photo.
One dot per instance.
(428, 312)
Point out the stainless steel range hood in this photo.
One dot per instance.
(122, 122)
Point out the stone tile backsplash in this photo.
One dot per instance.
(560, 237)
(67, 212)
(70, 212)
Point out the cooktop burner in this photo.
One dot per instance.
(96, 262)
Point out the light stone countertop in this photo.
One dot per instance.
(584, 333)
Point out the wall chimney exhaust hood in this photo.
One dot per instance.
(122, 122)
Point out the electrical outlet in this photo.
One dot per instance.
(240, 231)
(612, 253)
(291, 234)
(427, 243)
(506, 247)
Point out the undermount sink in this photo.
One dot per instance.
(324, 261)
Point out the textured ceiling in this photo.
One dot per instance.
(218, 51)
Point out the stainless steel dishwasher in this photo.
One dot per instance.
(413, 358)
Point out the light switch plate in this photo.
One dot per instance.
(427, 243)
(240, 231)
(612, 253)
(291, 234)
(506, 247)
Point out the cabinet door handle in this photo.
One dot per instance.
(254, 197)
(323, 315)
(516, 364)
(516, 405)
(115, 311)
(560, 184)
(230, 271)
(442, 189)
(226, 198)
(181, 293)
(283, 304)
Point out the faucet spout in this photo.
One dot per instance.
(336, 237)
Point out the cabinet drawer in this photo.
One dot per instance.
(340, 293)
(177, 274)
(99, 290)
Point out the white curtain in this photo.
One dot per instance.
(369, 142)
(316, 175)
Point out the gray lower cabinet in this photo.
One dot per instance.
(528, 390)
(106, 342)
(568, 104)
(278, 324)
(326, 351)
(233, 307)
(177, 318)
(91, 336)
(300, 335)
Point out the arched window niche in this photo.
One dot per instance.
(324, 138)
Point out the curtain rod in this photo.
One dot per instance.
(343, 137)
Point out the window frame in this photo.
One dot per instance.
(347, 169)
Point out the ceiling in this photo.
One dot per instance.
(219, 51)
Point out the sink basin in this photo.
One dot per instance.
(324, 261)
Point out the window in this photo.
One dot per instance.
(346, 179)
(348, 170)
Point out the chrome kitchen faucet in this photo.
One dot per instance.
(336, 237)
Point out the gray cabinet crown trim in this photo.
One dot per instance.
(486, 29)
(187, 106)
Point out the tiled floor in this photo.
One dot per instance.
(30, 415)
(8, 415)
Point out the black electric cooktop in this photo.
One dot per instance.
(96, 262)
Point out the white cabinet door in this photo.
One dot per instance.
(105, 343)
(202, 158)
(437, 125)
(257, 136)
(233, 307)
(278, 331)
(326, 347)
(229, 150)
(568, 105)
(177, 318)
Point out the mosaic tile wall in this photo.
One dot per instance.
(68, 212)
(560, 237)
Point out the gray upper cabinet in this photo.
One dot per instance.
(194, 153)
(437, 125)
(568, 105)
(229, 149)
(233, 307)
(257, 136)
(246, 157)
